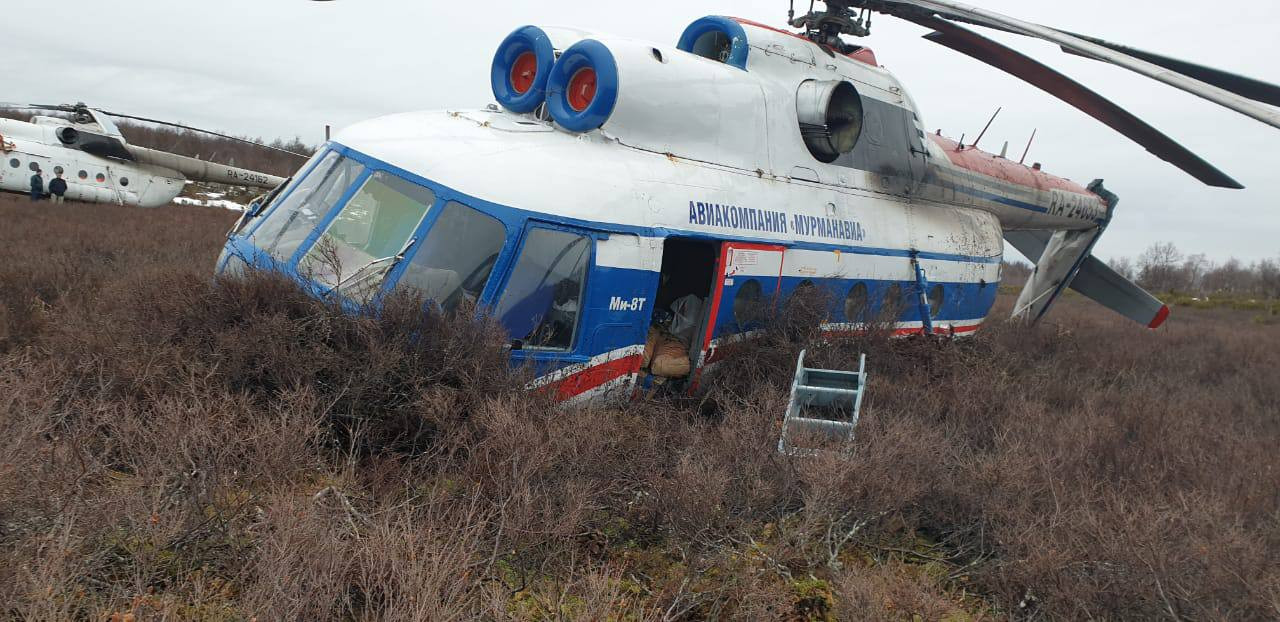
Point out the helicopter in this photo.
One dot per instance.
(621, 189)
(99, 165)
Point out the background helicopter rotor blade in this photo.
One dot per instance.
(53, 107)
(196, 129)
(1244, 86)
(1091, 103)
(111, 129)
(916, 10)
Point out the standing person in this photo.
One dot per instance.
(37, 186)
(57, 188)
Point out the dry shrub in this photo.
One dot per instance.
(178, 446)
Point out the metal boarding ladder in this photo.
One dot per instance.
(835, 393)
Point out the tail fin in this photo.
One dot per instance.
(1063, 258)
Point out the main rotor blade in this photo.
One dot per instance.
(196, 129)
(915, 10)
(1037, 74)
(1243, 86)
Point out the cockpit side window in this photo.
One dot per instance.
(542, 302)
(298, 214)
(456, 257)
(362, 243)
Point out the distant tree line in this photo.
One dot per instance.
(207, 147)
(1164, 268)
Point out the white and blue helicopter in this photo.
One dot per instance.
(619, 184)
(99, 165)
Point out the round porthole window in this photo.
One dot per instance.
(58, 170)
(891, 306)
(15, 163)
(936, 298)
(83, 174)
(124, 181)
(101, 178)
(34, 166)
(801, 294)
(855, 304)
(748, 305)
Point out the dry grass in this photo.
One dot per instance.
(175, 447)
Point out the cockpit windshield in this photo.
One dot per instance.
(297, 215)
(364, 241)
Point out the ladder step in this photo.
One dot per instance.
(824, 426)
(825, 390)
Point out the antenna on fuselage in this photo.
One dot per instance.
(1028, 150)
(984, 130)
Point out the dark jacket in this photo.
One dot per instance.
(57, 186)
(37, 184)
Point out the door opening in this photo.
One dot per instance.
(681, 308)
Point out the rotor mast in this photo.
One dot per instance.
(825, 27)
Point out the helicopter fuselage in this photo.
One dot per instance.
(698, 184)
(89, 178)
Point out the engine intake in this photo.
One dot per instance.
(521, 68)
(583, 87)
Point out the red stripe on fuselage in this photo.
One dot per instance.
(578, 383)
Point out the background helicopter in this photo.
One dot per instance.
(100, 166)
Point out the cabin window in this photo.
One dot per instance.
(101, 178)
(15, 163)
(58, 170)
(83, 174)
(34, 166)
(456, 258)
(298, 214)
(936, 297)
(124, 181)
(748, 304)
(891, 306)
(360, 245)
(543, 298)
(855, 304)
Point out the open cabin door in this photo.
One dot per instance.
(748, 277)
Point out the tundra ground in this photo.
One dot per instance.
(178, 447)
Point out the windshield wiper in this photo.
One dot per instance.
(254, 210)
(390, 261)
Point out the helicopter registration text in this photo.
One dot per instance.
(245, 176)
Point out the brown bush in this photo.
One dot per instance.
(178, 446)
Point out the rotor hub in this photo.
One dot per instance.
(826, 27)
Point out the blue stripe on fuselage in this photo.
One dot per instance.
(605, 330)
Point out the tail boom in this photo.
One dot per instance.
(1064, 259)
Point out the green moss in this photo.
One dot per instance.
(814, 600)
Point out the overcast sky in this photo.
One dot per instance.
(280, 68)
